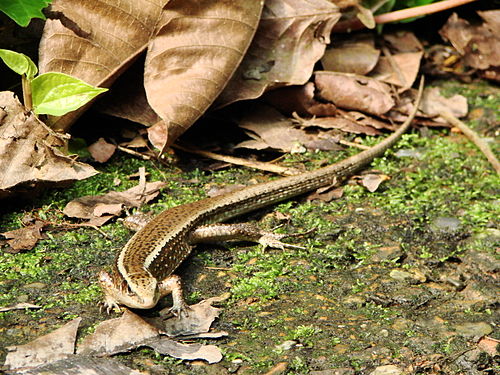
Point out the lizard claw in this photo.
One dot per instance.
(269, 239)
(180, 311)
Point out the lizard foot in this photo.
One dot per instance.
(273, 240)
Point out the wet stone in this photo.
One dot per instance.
(35, 286)
(484, 262)
(489, 233)
(423, 345)
(473, 329)
(337, 371)
(400, 275)
(287, 345)
(401, 324)
(354, 301)
(387, 253)
(448, 224)
(23, 298)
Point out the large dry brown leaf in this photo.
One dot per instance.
(92, 206)
(399, 69)
(76, 365)
(357, 55)
(117, 335)
(209, 353)
(198, 46)
(299, 99)
(96, 40)
(24, 238)
(291, 38)
(351, 91)
(45, 349)
(270, 129)
(193, 46)
(29, 154)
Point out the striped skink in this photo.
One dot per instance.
(143, 271)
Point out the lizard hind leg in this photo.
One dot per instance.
(242, 232)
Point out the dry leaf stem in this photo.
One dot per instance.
(474, 137)
(399, 15)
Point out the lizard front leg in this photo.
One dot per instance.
(172, 284)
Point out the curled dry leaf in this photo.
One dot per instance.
(90, 207)
(480, 45)
(193, 48)
(196, 49)
(24, 238)
(403, 41)
(355, 55)
(101, 150)
(351, 91)
(341, 123)
(291, 38)
(372, 181)
(401, 71)
(85, 366)
(45, 349)
(269, 128)
(209, 353)
(433, 103)
(117, 335)
(130, 331)
(327, 195)
(199, 320)
(29, 152)
(299, 99)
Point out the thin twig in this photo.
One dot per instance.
(474, 137)
(240, 161)
(353, 144)
(132, 152)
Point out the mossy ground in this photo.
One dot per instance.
(376, 283)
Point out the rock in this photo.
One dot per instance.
(415, 275)
(387, 253)
(399, 275)
(387, 370)
(354, 301)
(478, 329)
(484, 262)
(448, 224)
(488, 233)
(337, 371)
(286, 345)
(35, 286)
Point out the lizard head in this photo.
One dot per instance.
(143, 294)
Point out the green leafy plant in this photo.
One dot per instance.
(23, 11)
(49, 93)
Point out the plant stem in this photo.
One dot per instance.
(28, 101)
(399, 15)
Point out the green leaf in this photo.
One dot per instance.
(22, 11)
(19, 63)
(57, 93)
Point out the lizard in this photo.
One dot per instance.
(143, 270)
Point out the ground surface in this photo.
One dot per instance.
(406, 276)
